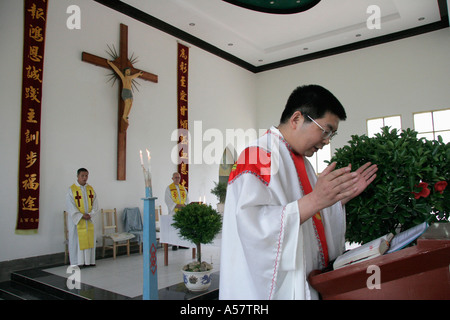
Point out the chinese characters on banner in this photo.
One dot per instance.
(30, 140)
(182, 98)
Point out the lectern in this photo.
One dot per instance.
(419, 272)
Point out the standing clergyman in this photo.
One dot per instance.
(82, 207)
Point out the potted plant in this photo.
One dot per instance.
(198, 223)
(410, 187)
(220, 191)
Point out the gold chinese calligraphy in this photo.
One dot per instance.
(182, 99)
(33, 66)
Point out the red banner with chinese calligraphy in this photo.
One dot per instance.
(182, 97)
(32, 75)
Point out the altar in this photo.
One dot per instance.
(169, 235)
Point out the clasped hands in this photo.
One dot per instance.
(342, 184)
(334, 185)
(86, 216)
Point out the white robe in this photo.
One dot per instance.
(79, 257)
(169, 201)
(266, 253)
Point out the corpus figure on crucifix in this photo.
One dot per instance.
(121, 62)
(127, 94)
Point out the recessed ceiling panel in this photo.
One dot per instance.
(259, 38)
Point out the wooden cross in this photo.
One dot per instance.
(121, 63)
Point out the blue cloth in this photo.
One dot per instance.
(132, 221)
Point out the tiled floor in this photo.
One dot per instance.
(124, 274)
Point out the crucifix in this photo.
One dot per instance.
(122, 62)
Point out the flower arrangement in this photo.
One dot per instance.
(410, 188)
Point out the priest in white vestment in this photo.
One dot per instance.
(82, 207)
(280, 220)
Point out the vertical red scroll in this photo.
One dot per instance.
(30, 139)
(183, 137)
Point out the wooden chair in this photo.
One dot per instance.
(110, 231)
(132, 221)
(66, 238)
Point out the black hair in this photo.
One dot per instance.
(81, 170)
(312, 100)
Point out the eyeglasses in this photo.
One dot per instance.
(325, 134)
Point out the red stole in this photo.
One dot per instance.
(299, 162)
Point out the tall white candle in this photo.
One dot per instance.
(148, 158)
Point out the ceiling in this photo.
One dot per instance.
(260, 41)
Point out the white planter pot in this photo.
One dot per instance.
(197, 281)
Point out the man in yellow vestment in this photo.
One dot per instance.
(82, 206)
(176, 197)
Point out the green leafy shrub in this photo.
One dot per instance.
(410, 187)
(220, 191)
(198, 223)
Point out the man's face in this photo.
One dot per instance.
(308, 137)
(176, 178)
(83, 177)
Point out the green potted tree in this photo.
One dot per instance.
(410, 187)
(198, 223)
(220, 191)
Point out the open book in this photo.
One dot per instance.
(406, 237)
(385, 244)
(367, 251)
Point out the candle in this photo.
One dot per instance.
(204, 199)
(142, 161)
(148, 158)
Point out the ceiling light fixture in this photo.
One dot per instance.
(278, 7)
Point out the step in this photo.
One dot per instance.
(11, 290)
(57, 286)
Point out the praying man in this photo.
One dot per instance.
(82, 207)
(281, 221)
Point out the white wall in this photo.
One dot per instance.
(396, 78)
(79, 116)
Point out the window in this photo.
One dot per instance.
(432, 124)
(374, 125)
(318, 159)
